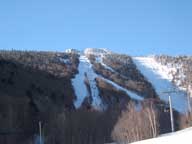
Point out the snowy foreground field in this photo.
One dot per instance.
(180, 137)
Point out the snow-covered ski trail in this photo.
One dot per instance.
(157, 75)
(81, 92)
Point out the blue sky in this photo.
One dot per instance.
(136, 27)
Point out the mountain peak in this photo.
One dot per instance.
(96, 51)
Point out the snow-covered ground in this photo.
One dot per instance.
(81, 91)
(160, 77)
(179, 137)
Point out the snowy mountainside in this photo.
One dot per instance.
(121, 70)
(160, 77)
(85, 84)
(180, 69)
(85, 91)
(138, 77)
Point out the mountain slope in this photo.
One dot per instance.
(85, 84)
(77, 94)
(161, 80)
(134, 78)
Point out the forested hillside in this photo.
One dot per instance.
(90, 97)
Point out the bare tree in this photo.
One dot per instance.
(135, 125)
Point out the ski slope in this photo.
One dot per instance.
(79, 86)
(179, 137)
(78, 83)
(160, 78)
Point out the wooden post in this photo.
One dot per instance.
(171, 114)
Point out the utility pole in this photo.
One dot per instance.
(40, 133)
(189, 103)
(171, 108)
(189, 99)
(171, 114)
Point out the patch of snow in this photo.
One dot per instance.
(107, 67)
(66, 61)
(99, 59)
(179, 137)
(72, 51)
(81, 92)
(160, 78)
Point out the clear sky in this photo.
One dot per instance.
(127, 26)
